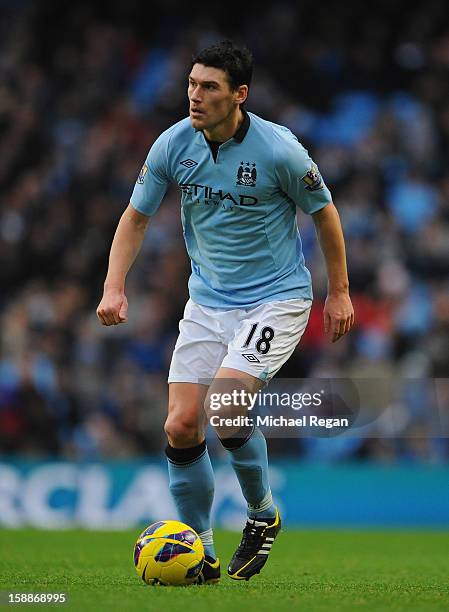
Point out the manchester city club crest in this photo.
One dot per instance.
(247, 174)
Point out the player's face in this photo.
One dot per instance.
(212, 101)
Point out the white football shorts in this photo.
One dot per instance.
(256, 340)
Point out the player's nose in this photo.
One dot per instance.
(195, 95)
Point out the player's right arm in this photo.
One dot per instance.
(149, 191)
(128, 238)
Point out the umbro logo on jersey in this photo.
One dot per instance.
(250, 357)
(247, 174)
(189, 163)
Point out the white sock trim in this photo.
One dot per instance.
(266, 502)
(207, 537)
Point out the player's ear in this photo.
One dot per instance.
(241, 93)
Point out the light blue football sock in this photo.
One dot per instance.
(192, 483)
(250, 463)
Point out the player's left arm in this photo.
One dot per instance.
(338, 311)
(301, 181)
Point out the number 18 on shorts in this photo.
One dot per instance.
(256, 340)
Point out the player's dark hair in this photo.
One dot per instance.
(236, 61)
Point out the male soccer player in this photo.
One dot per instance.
(241, 179)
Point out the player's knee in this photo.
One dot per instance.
(183, 432)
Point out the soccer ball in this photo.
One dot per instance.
(170, 553)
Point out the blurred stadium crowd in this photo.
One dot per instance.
(85, 90)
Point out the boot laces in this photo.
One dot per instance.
(252, 540)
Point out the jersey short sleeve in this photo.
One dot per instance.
(153, 180)
(298, 175)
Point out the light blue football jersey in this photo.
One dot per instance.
(238, 212)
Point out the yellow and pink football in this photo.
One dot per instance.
(169, 553)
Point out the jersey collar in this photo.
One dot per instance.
(240, 133)
(244, 127)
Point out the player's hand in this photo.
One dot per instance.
(113, 308)
(338, 315)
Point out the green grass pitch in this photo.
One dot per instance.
(307, 570)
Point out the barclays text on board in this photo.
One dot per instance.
(128, 494)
